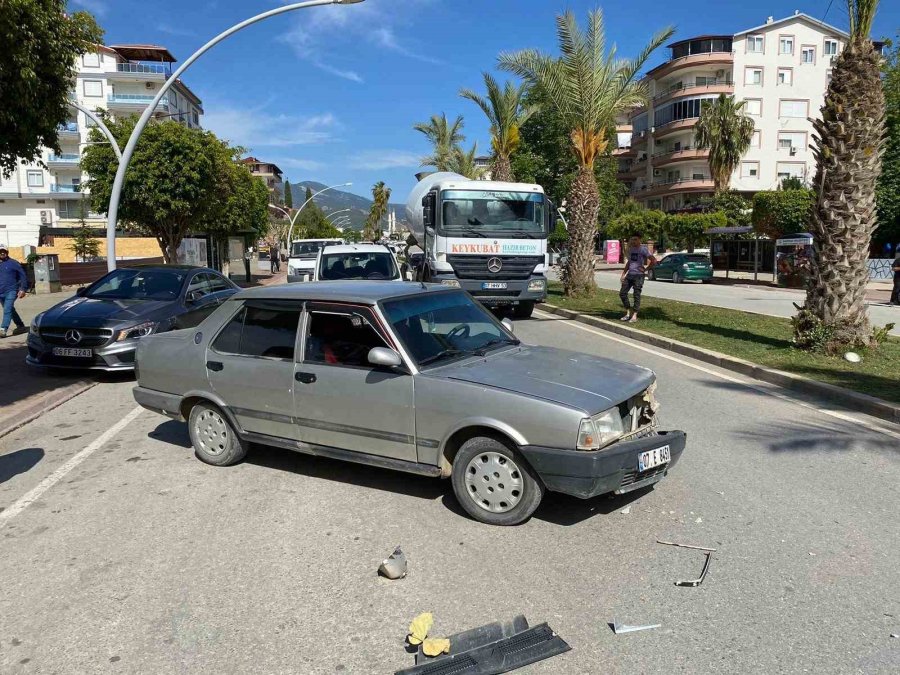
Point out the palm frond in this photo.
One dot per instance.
(862, 16)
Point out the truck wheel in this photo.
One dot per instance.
(215, 440)
(524, 310)
(494, 484)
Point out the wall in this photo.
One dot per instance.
(126, 247)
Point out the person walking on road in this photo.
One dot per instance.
(895, 295)
(637, 261)
(275, 257)
(13, 284)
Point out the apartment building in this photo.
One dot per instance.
(121, 79)
(780, 68)
(270, 174)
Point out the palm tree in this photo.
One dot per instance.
(444, 137)
(381, 195)
(589, 86)
(727, 132)
(849, 141)
(507, 113)
(463, 163)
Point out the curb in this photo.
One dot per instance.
(45, 403)
(852, 400)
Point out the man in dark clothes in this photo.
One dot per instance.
(13, 284)
(637, 261)
(895, 296)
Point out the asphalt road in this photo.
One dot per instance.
(127, 555)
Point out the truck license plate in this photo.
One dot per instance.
(653, 458)
(71, 351)
(493, 286)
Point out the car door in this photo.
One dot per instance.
(666, 267)
(250, 365)
(340, 400)
(198, 302)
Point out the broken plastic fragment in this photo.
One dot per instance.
(394, 566)
(619, 628)
(418, 629)
(435, 646)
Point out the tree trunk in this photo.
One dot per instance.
(583, 205)
(501, 170)
(849, 142)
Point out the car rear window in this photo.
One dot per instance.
(355, 265)
(696, 258)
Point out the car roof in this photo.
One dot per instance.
(168, 268)
(310, 241)
(355, 248)
(361, 292)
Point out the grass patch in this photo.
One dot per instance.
(765, 340)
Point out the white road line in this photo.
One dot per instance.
(24, 502)
(763, 390)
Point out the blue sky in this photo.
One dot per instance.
(331, 93)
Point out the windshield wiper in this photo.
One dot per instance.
(472, 232)
(482, 350)
(444, 353)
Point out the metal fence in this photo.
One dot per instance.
(82, 273)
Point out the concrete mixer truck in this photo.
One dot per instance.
(487, 237)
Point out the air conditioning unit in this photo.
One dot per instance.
(657, 173)
(46, 217)
(148, 85)
(793, 151)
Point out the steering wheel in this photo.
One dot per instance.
(523, 220)
(461, 331)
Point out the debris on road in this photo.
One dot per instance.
(697, 582)
(494, 648)
(852, 357)
(394, 566)
(626, 510)
(435, 646)
(418, 629)
(696, 548)
(619, 628)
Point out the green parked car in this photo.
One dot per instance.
(683, 267)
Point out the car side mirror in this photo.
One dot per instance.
(193, 296)
(80, 291)
(508, 325)
(384, 357)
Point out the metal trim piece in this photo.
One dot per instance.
(256, 414)
(355, 431)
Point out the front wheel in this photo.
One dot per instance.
(651, 275)
(214, 438)
(524, 310)
(494, 484)
(676, 278)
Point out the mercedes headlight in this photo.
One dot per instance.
(35, 327)
(600, 430)
(139, 331)
(536, 285)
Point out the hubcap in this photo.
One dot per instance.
(212, 432)
(494, 482)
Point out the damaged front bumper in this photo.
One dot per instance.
(615, 468)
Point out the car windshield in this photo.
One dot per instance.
(492, 213)
(374, 265)
(309, 249)
(436, 327)
(138, 284)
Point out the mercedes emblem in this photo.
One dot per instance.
(73, 337)
(495, 265)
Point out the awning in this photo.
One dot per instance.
(144, 53)
(729, 230)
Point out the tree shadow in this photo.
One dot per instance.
(20, 461)
(887, 388)
(733, 334)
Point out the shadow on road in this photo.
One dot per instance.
(18, 462)
(173, 432)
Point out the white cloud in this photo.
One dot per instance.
(373, 160)
(385, 36)
(174, 30)
(253, 127)
(296, 163)
(97, 7)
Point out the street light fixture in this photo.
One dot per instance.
(315, 194)
(128, 152)
(334, 213)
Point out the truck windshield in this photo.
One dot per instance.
(308, 250)
(492, 213)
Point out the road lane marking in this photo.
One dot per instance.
(24, 502)
(763, 390)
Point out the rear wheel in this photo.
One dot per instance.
(707, 281)
(214, 438)
(524, 310)
(493, 483)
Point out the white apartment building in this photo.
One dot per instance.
(122, 79)
(781, 69)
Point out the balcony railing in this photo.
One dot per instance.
(68, 127)
(65, 157)
(149, 69)
(672, 151)
(135, 99)
(674, 181)
(65, 188)
(681, 86)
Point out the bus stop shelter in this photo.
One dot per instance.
(732, 252)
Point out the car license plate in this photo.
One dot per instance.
(653, 458)
(71, 351)
(493, 286)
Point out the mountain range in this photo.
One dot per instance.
(338, 200)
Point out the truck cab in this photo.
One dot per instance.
(303, 255)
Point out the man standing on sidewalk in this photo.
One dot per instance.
(895, 296)
(637, 261)
(13, 284)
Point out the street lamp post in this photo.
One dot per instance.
(334, 213)
(314, 195)
(128, 152)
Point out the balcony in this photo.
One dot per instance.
(674, 126)
(695, 88)
(63, 161)
(677, 186)
(142, 72)
(639, 138)
(667, 157)
(134, 102)
(69, 130)
(710, 58)
(68, 189)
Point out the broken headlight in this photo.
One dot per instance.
(600, 430)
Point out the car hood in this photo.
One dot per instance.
(97, 312)
(588, 383)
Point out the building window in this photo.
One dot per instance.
(93, 88)
(790, 170)
(753, 76)
(786, 45)
(91, 60)
(753, 106)
(789, 108)
(69, 209)
(785, 76)
(808, 55)
(749, 169)
(755, 44)
(791, 140)
(831, 47)
(196, 118)
(35, 179)
(756, 139)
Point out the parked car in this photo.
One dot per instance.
(416, 378)
(374, 262)
(99, 328)
(683, 267)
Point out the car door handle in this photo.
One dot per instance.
(215, 365)
(305, 378)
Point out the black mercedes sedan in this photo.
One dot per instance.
(100, 327)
